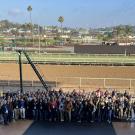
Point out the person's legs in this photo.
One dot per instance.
(128, 114)
(109, 116)
(34, 114)
(132, 115)
(23, 113)
(93, 117)
(102, 114)
(40, 115)
(69, 116)
(10, 116)
(61, 116)
(5, 117)
(99, 115)
(45, 115)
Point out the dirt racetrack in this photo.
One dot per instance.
(74, 76)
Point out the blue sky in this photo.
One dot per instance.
(77, 13)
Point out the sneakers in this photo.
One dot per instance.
(109, 121)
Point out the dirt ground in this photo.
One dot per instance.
(73, 76)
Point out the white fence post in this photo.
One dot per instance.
(32, 82)
(8, 83)
(104, 83)
(130, 84)
(56, 82)
(80, 82)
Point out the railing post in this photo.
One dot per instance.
(56, 82)
(80, 82)
(104, 83)
(32, 82)
(8, 82)
(130, 84)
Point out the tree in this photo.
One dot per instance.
(29, 9)
(61, 20)
(128, 31)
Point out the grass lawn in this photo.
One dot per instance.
(13, 56)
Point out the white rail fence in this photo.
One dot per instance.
(77, 82)
(96, 82)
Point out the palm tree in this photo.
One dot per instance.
(61, 20)
(29, 9)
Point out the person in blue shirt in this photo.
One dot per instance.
(22, 108)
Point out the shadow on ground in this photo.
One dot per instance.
(43, 128)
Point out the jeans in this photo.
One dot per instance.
(61, 115)
(22, 113)
(5, 117)
(41, 114)
(110, 115)
(35, 114)
(16, 114)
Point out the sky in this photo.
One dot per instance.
(77, 13)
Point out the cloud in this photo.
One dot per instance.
(15, 12)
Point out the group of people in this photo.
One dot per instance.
(75, 106)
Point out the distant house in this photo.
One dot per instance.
(89, 39)
(124, 41)
(65, 36)
(84, 39)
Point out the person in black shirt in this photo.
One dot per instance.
(110, 109)
(40, 109)
(5, 112)
(35, 109)
(16, 108)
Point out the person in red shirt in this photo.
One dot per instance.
(53, 105)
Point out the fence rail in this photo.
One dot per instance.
(82, 58)
(78, 82)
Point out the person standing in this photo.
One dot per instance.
(5, 112)
(16, 108)
(35, 109)
(61, 109)
(53, 105)
(10, 113)
(68, 109)
(22, 108)
(110, 109)
(40, 109)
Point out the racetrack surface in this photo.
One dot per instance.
(69, 75)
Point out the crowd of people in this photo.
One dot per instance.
(75, 106)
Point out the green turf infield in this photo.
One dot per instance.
(85, 58)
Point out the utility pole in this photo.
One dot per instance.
(39, 43)
(20, 67)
